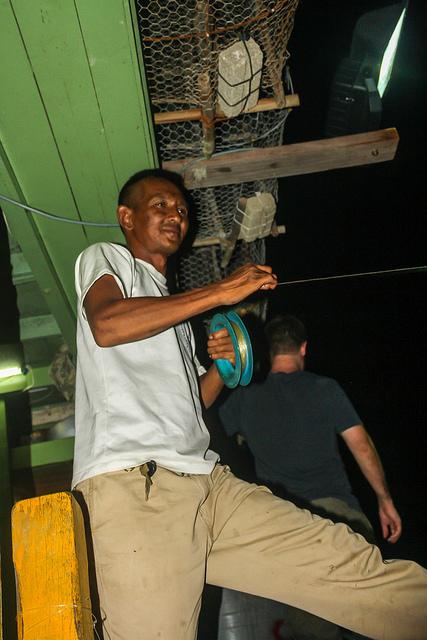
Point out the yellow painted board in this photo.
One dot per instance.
(50, 558)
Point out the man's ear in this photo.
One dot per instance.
(303, 349)
(125, 217)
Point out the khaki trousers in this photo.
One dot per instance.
(257, 615)
(153, 556)
(339, 511)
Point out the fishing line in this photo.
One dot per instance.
(356, 275)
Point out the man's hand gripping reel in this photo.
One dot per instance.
(241, 372)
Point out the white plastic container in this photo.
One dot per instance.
(257, 217)
(239, 77)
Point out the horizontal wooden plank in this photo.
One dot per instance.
(42, 453)
(183, 115)
(288, 160)
(52, 413)
(38, 327)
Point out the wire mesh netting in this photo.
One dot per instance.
(216, 206)
(183, 38)
(182, 41)
(193, 267)
(179, 140)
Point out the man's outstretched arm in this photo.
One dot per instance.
(366, 455)
(117, 320)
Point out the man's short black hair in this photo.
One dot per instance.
(125, 195)
(285, 334)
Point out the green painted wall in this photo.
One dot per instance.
(75, 122)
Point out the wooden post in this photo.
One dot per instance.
(7, 580)
(49, 552)
(234, 234)
(271, 59)
(206, 94)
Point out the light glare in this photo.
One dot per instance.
(9, 372)
(389, 55)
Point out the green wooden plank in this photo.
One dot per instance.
(38, 327)
(42, 377)
(86, 68)
(41, 453)
(56, 51)
(118, 75)
(75, 121)
(30, 153)
(21, 272)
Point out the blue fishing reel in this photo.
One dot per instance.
(241, 372)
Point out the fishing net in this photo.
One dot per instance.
(182, 41)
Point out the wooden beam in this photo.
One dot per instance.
(203, 21)
(288, 160)
(265, 104)
(41, 377)
(51, 413)
(49, 552)
(39, 454)
(21, 271)
(270, 49)
(208, 242)
(38, 327)
(276, 230)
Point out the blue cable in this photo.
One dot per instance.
(51, 216)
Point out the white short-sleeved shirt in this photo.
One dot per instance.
(138, 401)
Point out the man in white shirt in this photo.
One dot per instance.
(165, 516)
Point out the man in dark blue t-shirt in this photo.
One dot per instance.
(290, 423)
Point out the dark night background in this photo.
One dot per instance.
(368, 333)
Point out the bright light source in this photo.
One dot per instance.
(14, 375)
(389, 55)
(10, 371)
(355, 103)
